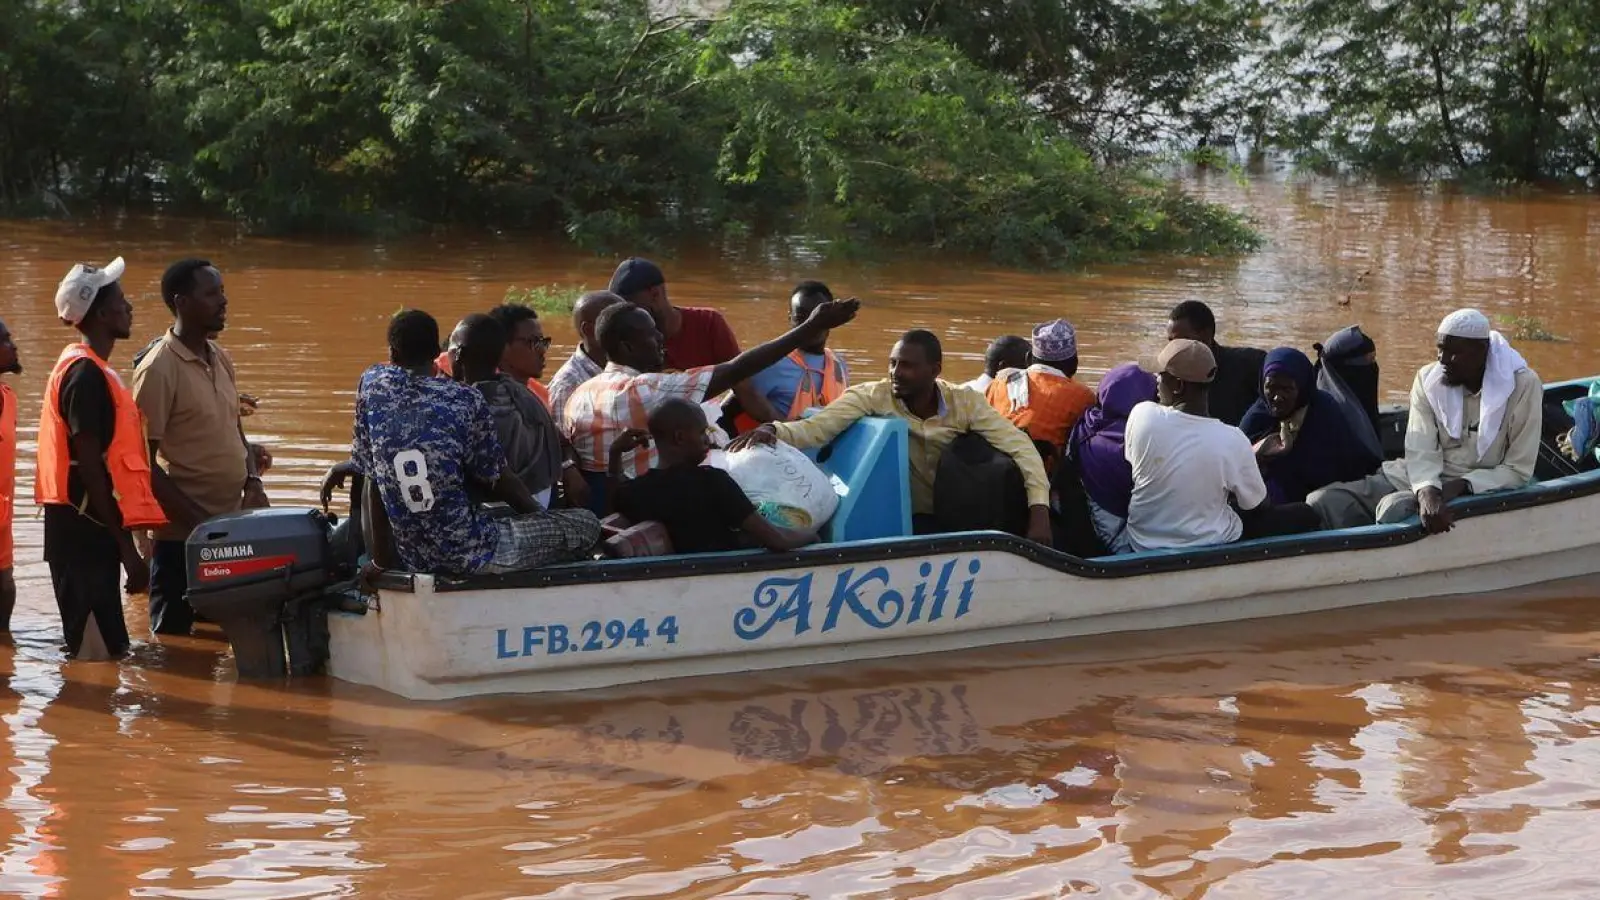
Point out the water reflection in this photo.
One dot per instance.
(1437, 748)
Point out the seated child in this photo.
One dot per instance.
(703, 509)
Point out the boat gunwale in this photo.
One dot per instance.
(1157, 562)
(1107, 567)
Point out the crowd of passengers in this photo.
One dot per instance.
(468, 460)
(1210, 445)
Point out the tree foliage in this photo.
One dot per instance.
(593, 117)
(1499, 89)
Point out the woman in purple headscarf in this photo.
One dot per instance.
(1097, 446)
(1304, 440)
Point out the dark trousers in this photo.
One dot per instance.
(170, 613)
(90, 584)
(597, 492)
(1280, 519)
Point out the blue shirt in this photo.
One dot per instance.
(778, 381)
(419, 438)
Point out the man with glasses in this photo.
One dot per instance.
(526, 347)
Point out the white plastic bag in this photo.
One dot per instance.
(713, 411)
(787, 488)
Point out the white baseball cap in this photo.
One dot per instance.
(77, 290)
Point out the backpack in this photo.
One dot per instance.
(978, 488)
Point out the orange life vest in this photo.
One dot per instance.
(127, 459)
(8, 471)
(1051, 403)
(806, 394)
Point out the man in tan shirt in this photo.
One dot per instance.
(185, 387)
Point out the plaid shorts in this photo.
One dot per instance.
(537, 539)
(643, 539)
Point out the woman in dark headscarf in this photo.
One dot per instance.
(1347, 368)
(1303, 440)
(1096, 444)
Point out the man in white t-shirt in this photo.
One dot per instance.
(1187, 466)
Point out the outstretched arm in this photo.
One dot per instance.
(825, 317)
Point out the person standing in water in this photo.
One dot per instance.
(186, 389)
(93, 478)
(9, 365)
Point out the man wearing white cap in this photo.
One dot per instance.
(1474, 427)
(1042, 399)
(93, 477)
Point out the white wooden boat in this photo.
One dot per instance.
(620, 621)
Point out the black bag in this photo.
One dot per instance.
(1071, 522)
(978, 488)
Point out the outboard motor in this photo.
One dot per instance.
(268, 577)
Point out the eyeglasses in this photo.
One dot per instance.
(534, 342)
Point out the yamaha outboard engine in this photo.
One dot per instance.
(268, 577)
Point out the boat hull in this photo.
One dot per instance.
(597, 625)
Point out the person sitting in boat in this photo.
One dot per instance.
(810, 377)
(533, 447)
(588, 359)
(1303, 440)
(1347, 369)
(935, 412)
(702, 508)
(1186, 466)
(419, 441)
(633, 383)
(1097, 448)
(1008, 351)
(1474, 426)
(1042, 398)
(1238, 381)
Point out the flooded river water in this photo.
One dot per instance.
(1430, 749)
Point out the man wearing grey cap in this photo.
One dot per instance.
(1473, 427)
(1187, 466)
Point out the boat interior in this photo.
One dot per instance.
(873, 522)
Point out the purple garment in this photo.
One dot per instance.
(1097, 438)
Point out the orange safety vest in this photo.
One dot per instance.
(806, 394)
(1055, 403)
(8, 471)
(127, 459)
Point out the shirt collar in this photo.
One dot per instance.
(177, 347)
(621, 369)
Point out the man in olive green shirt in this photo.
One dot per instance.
(935, 413)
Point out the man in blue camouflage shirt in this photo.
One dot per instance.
(419, 439)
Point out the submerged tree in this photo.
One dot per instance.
(1497, 88)
(591, 117)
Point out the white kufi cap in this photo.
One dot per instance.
(1466, 323)
(77, 290)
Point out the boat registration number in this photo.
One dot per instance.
(590, 637)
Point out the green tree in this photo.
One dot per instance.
(1120, 76)
(1499, 89)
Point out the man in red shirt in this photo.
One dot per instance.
(695, 336)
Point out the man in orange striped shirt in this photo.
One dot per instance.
(632, 386)
(1043, 399)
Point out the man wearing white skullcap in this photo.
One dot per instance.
(1041, 398)
(1473, 427)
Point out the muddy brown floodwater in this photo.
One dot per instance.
(1428, 749)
